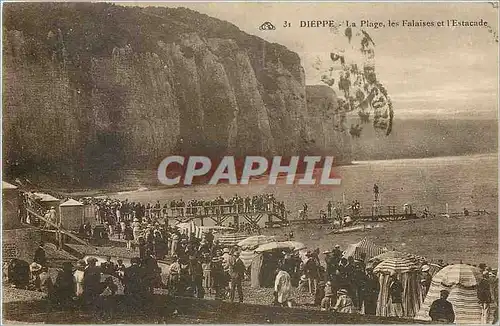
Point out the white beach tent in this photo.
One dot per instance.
(461, 281)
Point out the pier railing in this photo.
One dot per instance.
(92, 211)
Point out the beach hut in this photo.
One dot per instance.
(47, 202)
(406, 270)
(72, 215)
(10, 206)
(364, 246)
(461, 281)
(265, 262)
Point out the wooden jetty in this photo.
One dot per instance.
(234, 213)
(375, 216)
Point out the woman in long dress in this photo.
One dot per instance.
(283, 288)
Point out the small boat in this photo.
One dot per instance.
(354, 228)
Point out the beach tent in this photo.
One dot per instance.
(264, 262)
(406, 270)
(72, 214)
(188, 228)
(461, 281)
(247, 257)
(255, 241)
(230, 239)
(364, 246)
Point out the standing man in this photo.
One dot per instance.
(133, 280)
(375, 191)
(442, 310)
(40, 257)
(371, 290)
(425, 280)
(396, 296)
(91, 281)
(237, 273)
(484, 296)
(329, 209)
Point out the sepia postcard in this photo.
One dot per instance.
(250, 162)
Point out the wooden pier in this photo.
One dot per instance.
(220, 214)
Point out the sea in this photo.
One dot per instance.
(442, 184)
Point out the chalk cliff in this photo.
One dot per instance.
(96, 87)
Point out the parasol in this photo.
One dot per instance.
(273, 245)
(296, 245)
(395, 254)
(256, 240)
(396, 266)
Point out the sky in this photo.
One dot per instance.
(428, 71)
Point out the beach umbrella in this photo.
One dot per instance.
(395, 254)
(273, 245)
(396, 266)
(296, 245)
(461, 274)
(256, 240)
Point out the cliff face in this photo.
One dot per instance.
(326, 123)
(93, 87)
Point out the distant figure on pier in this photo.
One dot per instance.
(375, 191)
(466, 212)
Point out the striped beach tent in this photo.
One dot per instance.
(188, 228)
(364, 246)
(406, 270)
(247, 257)
(230, 239)
(397, 266)
(461, 281)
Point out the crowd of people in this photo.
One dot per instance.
(204, 266)
(115, 211)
